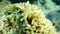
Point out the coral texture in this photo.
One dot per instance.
(24, 18)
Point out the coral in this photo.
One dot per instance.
(4, 3)
(55, 18)
(46, 5)
(24, 18)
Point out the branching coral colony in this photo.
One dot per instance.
(24, 18)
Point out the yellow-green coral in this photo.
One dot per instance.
(24, 18)
(4, 3)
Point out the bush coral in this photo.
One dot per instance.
(24, 18)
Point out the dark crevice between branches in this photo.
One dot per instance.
(57, 2)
